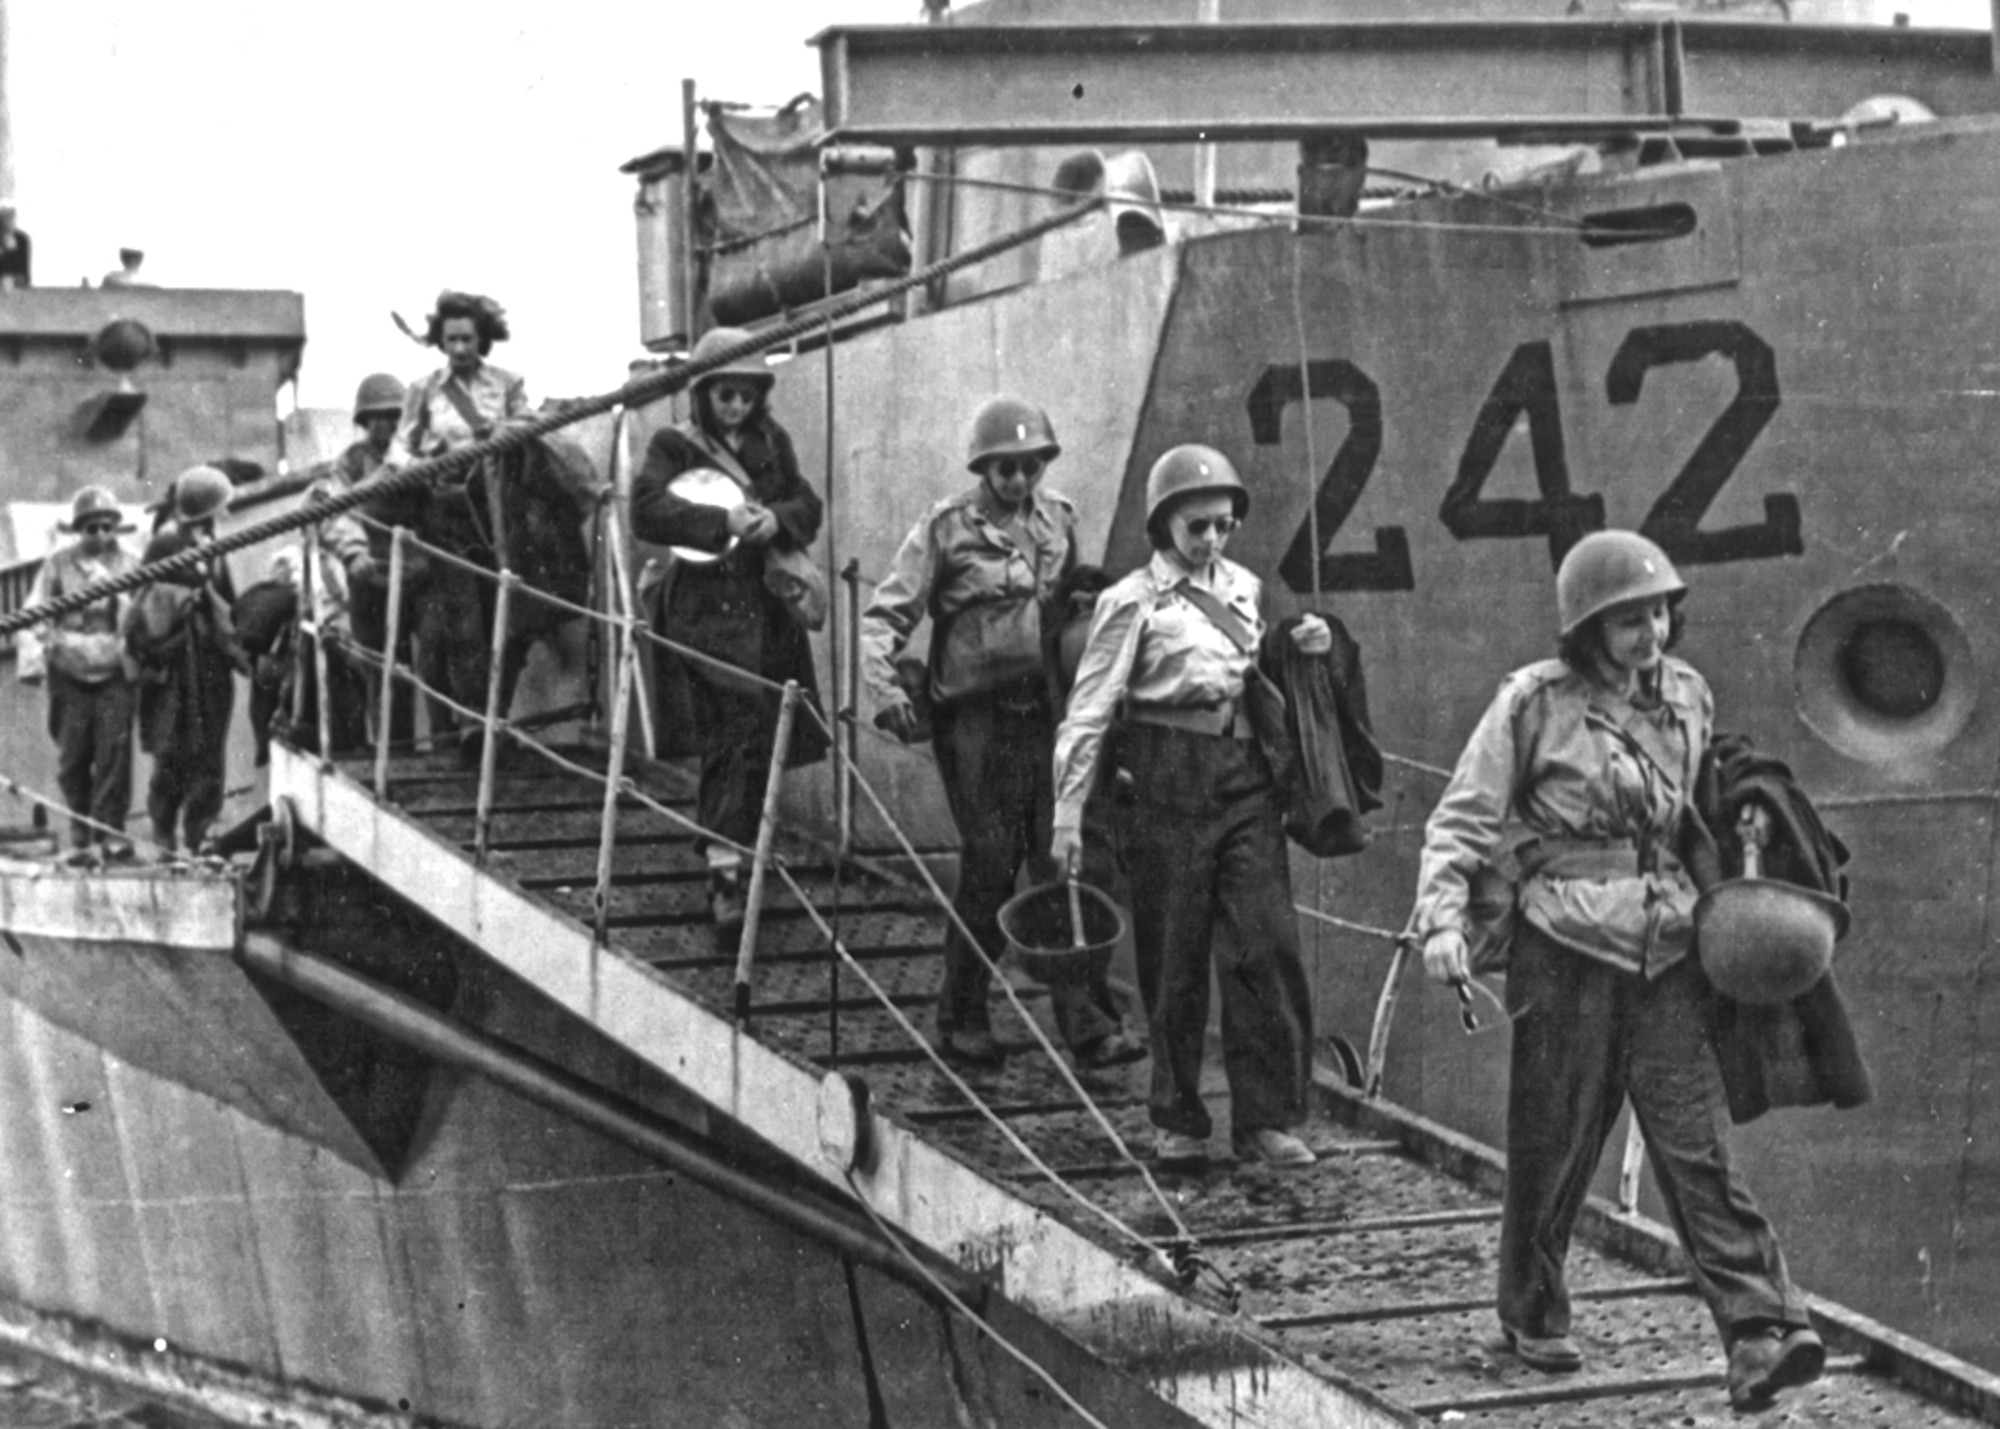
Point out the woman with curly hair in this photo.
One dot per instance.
(464, 401)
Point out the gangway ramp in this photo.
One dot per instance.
(1365, 1281)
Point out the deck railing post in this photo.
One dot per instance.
(846, 733)
(315, 603)
(628, 604)
(489, 750)
(746, 949)
(614, 778)
(392, 636)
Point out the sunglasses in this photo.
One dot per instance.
(98, 528)
(740, 396)
(1007, 466)
(1221, 525)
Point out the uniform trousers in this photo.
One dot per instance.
(91, 723)
(995, 752)
(1212, 889)
(1587, 1036)
(737, 729)
(454, 642)
(369, 615)
(187, 784)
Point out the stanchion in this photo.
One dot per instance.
(846, 735)
(384, 729)
(746, 949)
(614, 778)
(315, 603)
(489, 752)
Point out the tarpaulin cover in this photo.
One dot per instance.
(761, 239)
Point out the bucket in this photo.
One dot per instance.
(1040, 931)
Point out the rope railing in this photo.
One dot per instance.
(650, 387)
(1181, 1256)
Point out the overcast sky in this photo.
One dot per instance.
(371, 152)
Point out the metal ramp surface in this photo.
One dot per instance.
(1369, 1275)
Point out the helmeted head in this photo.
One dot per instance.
(1618, 600)
(1010, 426)
(201, 493)
(380, 394)
(1185, 472)
(720, 395)
(1608, 568)
(1011, 444)
(94, 515)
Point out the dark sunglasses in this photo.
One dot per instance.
(744, 396)
(98, 528)
(1005, 467)
(1221, 525)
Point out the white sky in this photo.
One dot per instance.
(371, 152)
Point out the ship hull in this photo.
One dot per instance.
(1797, 395)
(453, 1252)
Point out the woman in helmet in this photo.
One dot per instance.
(983, 565)
(725, 608)
(1591, 758)
(1211, 877)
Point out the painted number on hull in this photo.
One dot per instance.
(1675, 520)
(1527, 387)
(1388, 566)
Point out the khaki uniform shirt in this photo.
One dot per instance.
(982, 586)
(1150, 645)
(1569, 762)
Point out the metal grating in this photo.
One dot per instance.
(1369, 1264)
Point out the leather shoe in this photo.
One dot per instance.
(971, 1047)
(1551, 1354)
(1114, 1049)
(1172, 1149)
(1273, 1147)
(1772, 1358)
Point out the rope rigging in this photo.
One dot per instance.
(638, 392)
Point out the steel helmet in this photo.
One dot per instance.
(1188, 469)
(94, 501)
(379, 392)
(1608, 568)
(199, 493)
(1008, 426)
(720, 339)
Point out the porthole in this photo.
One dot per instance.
(1883, 673)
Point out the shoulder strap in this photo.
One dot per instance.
(457, 396)
(1220, 615)
(725, 459)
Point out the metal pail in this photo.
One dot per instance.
(1042, 935)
